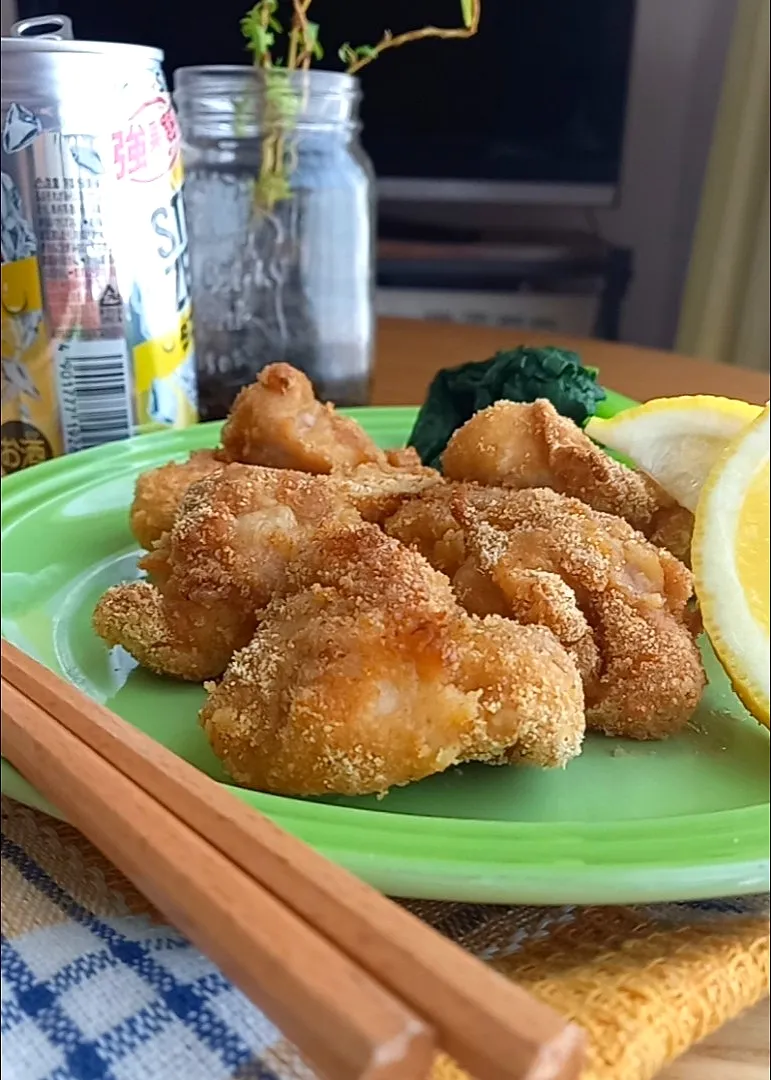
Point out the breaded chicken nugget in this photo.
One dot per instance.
(278, 422)
(618, 596)
(371, 675)
(516, 445)
(159, 492)
(225, 557)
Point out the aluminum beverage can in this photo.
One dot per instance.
(97, 340)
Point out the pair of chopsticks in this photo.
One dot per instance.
(363, 988)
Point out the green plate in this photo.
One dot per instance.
(625, 822)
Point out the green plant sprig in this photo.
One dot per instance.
(357, 57)
(262, 29)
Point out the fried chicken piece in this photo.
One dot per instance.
(624, 618)
(531, 446)
(225, 557)
(159, 492)
(370, 676)
(377, 490)
(623, 608)
(278, 422)
(429, 525)
(486, 584)
(170, 634)
(407, 459)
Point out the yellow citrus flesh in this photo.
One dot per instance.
(753, 556)
(676, 440)
(731, 563)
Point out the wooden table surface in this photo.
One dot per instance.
(410, 352)
(408, 355)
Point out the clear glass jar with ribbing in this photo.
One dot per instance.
(279, 196)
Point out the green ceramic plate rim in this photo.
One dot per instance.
(686, 858)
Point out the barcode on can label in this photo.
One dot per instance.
(94, 390)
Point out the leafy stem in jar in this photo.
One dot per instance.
(264, 33)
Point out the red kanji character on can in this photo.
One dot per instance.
(136, 149)
(119, 154)
(169, 124)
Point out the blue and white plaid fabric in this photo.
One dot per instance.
(92, 992)
(89, 998)
(121, 1000)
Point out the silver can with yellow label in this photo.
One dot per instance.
(97, 339)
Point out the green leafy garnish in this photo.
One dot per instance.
(522, 374)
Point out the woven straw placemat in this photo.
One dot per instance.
(645, 982)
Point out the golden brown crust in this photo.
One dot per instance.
(503, 548)
(519, 445)
(477, 623)
(370, 676)
(652, 676)
(634, 598)
(159, 492)
(225, 557)
(171, 635)
(538, 597)
(278, 422)
(428, 524)
(236, 531)
(405, 458)
(377, 490)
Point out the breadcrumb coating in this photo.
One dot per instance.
(377, 490)
(374, 622)
(225, 557)
(503, 549)
(277, 421)
(370, 675)
(519, 445)
(159, 492)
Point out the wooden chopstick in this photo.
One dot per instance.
(490, 1026)
(338, 1016)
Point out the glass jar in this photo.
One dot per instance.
(279, 196)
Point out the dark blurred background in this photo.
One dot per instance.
(545, 175)
(538, 96)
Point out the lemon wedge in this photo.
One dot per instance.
(675, 440)
(731, 563)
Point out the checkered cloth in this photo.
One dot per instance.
(95, 988)
(118, 999)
